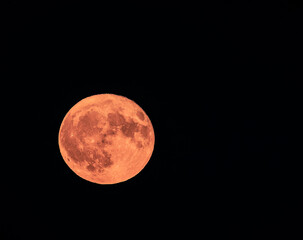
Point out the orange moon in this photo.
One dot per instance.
(106, 139)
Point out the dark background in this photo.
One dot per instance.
(219, 83)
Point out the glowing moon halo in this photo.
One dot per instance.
(106, 139)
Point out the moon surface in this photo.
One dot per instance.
(106, 139)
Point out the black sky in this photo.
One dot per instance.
(219, 85)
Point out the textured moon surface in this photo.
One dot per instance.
(106, 139)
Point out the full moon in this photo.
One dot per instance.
(106, 139)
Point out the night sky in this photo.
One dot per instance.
(218, 84)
